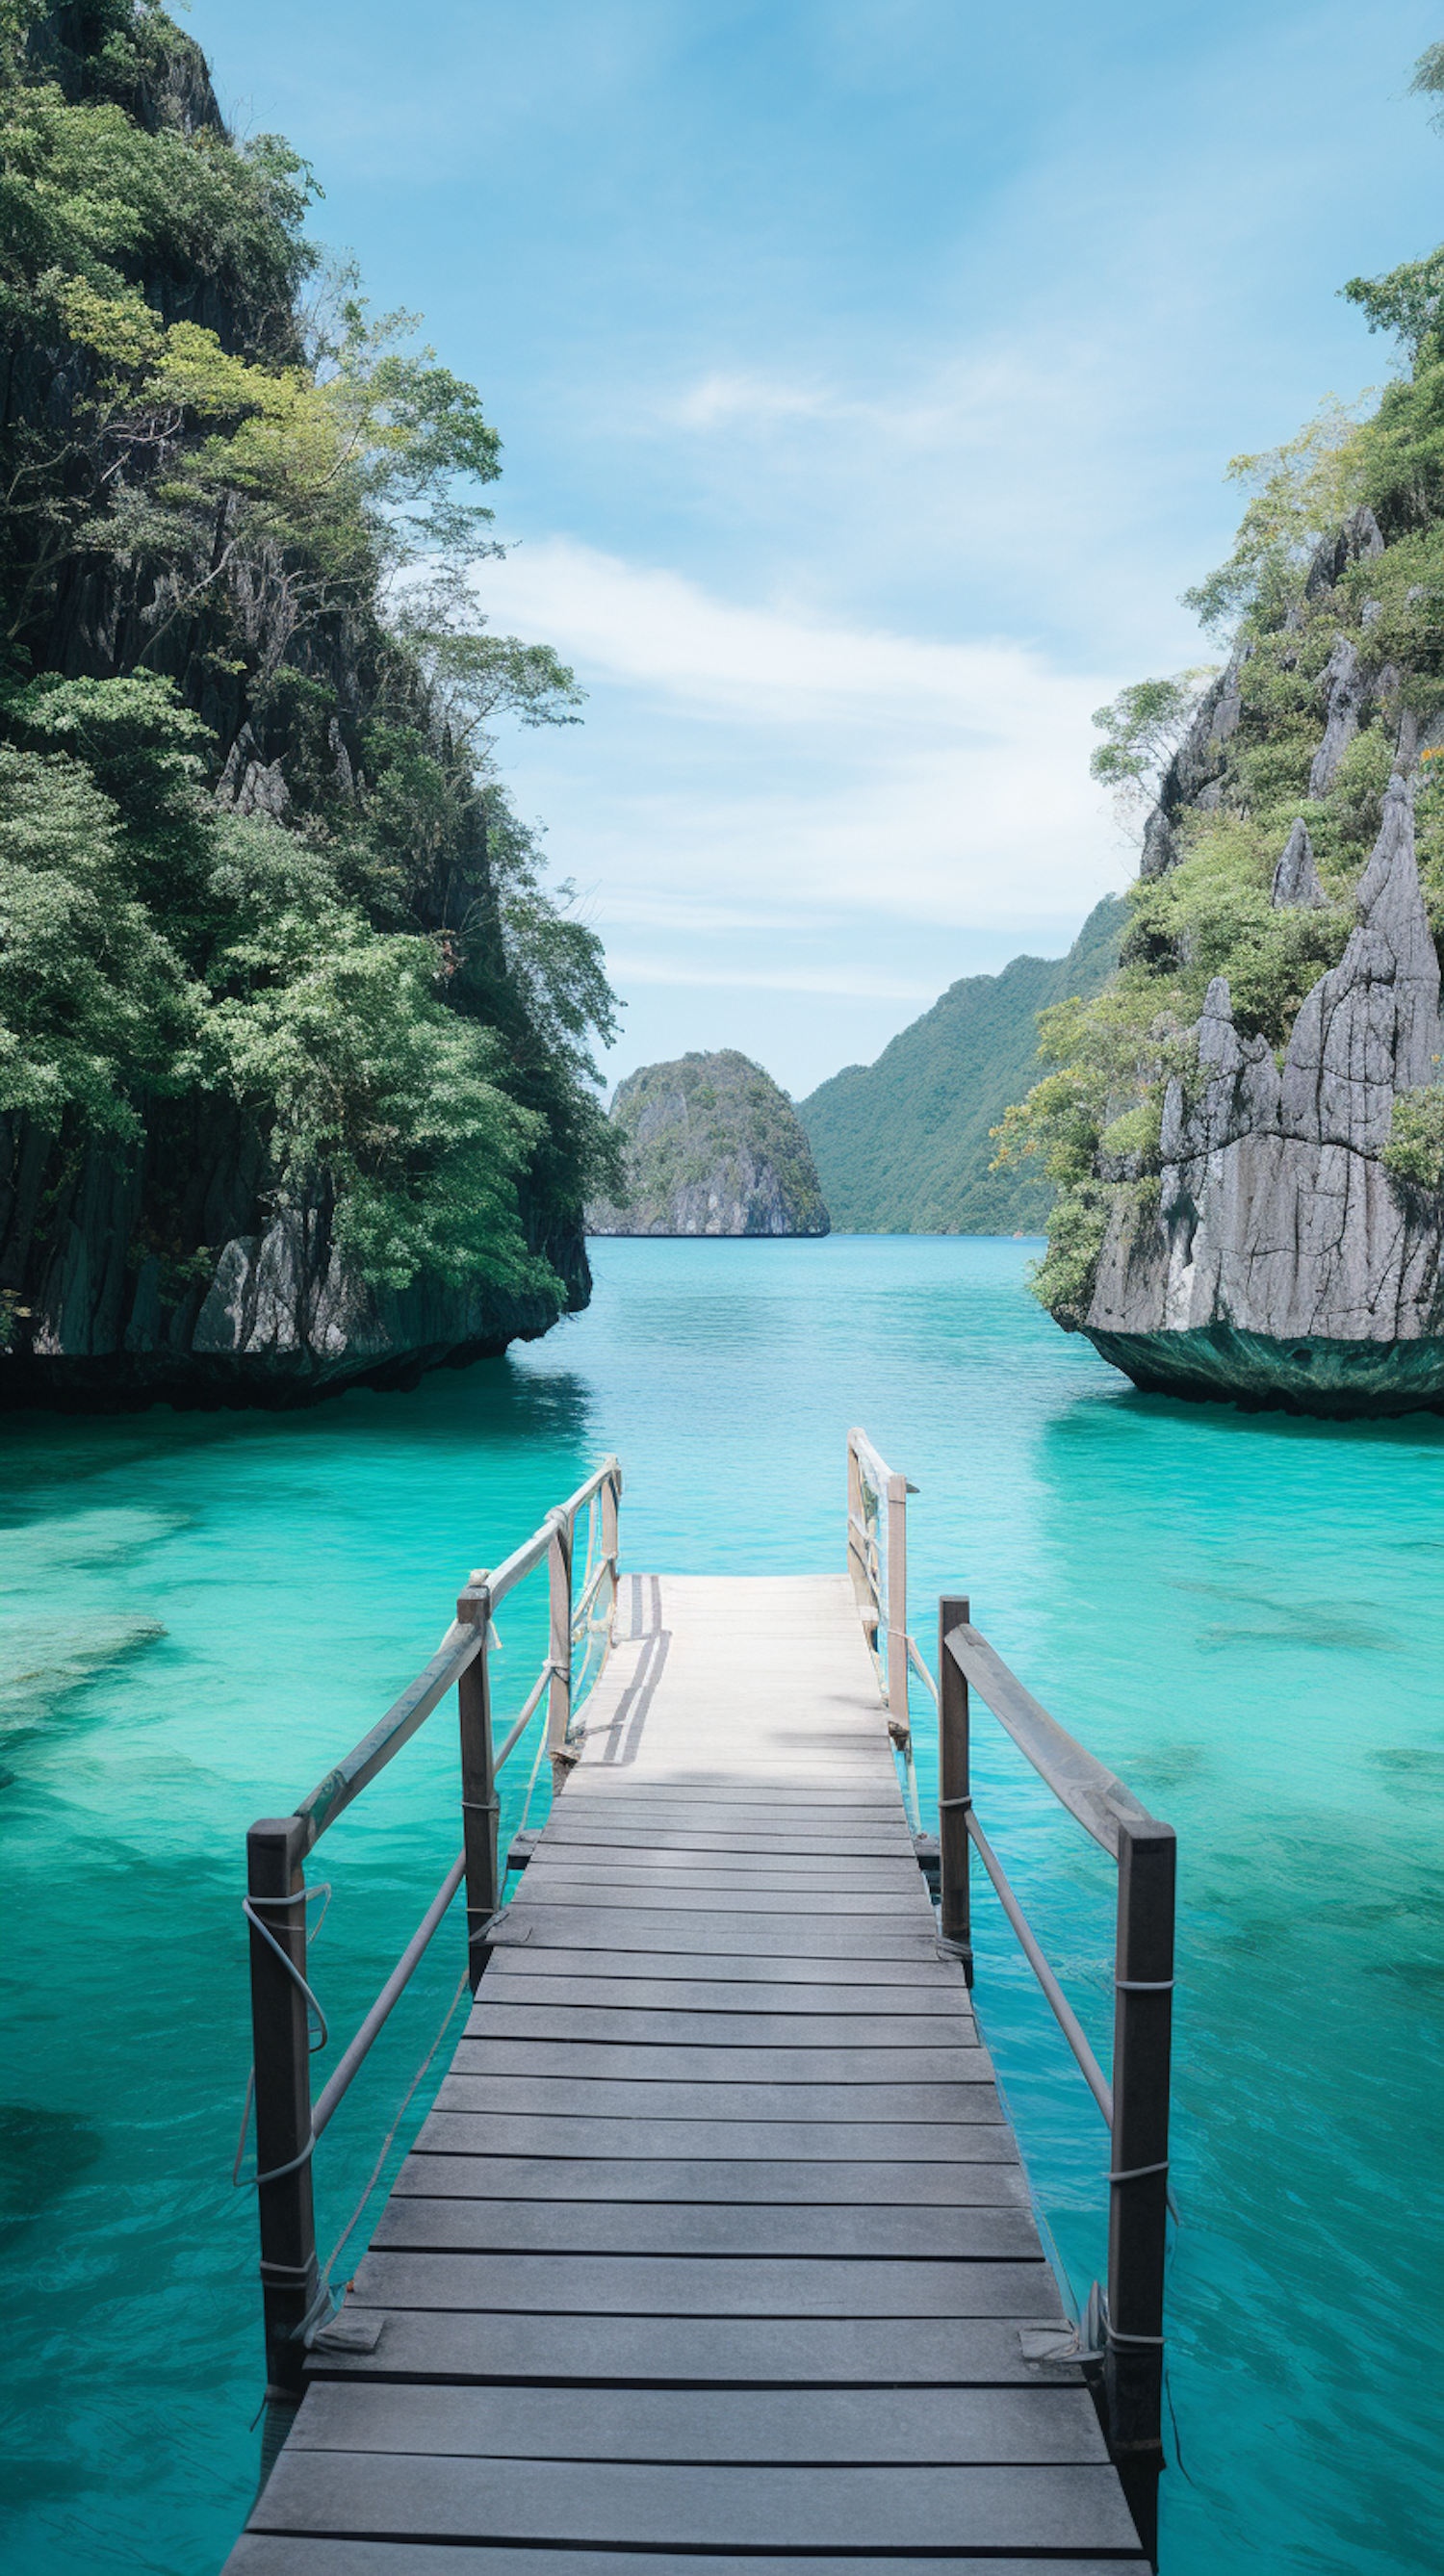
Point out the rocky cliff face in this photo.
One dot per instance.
(268, 1314)
(712, 1147)
(1284, 1259)
(170, 1253)
(1247, 1126)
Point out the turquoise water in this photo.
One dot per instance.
(1239, 1614)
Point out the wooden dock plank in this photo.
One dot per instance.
(652, 2060)
(799, 2141)
(600, 2022)
(310, 2554)
(517, 1976)
(990, 2174)
(606, 2504)
(715, 2245)
(791, 1934)
(710, 2352)
(863, 2427)
(596, 2285)
(847, 2228)
(918, 1982)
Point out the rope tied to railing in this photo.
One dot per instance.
(296, 1896)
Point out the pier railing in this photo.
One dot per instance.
(1122, 2333)
(295, 2293)
(877, 1557)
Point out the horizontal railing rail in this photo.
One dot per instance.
(1128, 2316)
(295, 2292)
(1081, 1783)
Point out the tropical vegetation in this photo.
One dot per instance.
(257, 862)
(1290, 595)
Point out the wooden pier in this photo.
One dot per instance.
(716, 2244)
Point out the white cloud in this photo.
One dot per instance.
(767, 761)
(720, 398)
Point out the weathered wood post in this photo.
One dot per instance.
(480, 1805)
(612, 1536)
(897, 1601)
(1138, 2183)
(856, 1566)
(559, 1687)
(954, 1786)
(275, 1851)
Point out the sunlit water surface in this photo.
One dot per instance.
(1240, 1615)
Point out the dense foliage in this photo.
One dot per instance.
(1292, 594)
(253, 847)
(902, 1145)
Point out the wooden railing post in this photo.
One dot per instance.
(954, 1787)
(612, 1537)
(480, 1806)
(559, 1688)
(275, 1850)
(861, 1590)
(1138, 2184)
(897, 1600)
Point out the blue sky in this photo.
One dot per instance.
(866, 374)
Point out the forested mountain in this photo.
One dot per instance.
(709, 1145)
(903, 1146)
(1247, 1127)
(294, 1082)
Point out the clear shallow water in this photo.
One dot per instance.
(1240, 1614)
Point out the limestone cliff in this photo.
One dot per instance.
(293, 1078)
(1284, 1260)
(1247, 1125)
(711, 1147)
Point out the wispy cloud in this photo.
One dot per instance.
(795, 761)
(719, 400)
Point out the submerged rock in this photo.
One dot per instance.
(712, 1146)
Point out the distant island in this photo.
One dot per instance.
(904, 1146)
(710, 1146)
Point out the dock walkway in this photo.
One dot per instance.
(716, 2244)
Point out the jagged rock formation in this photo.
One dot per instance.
(271, 1315)
(1284, 1260)
(712, 1147)
(1247, 1128)
(1296, 878)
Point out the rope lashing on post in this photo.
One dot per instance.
(298, 1896)
(248, 1908)
(1144, 1985)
